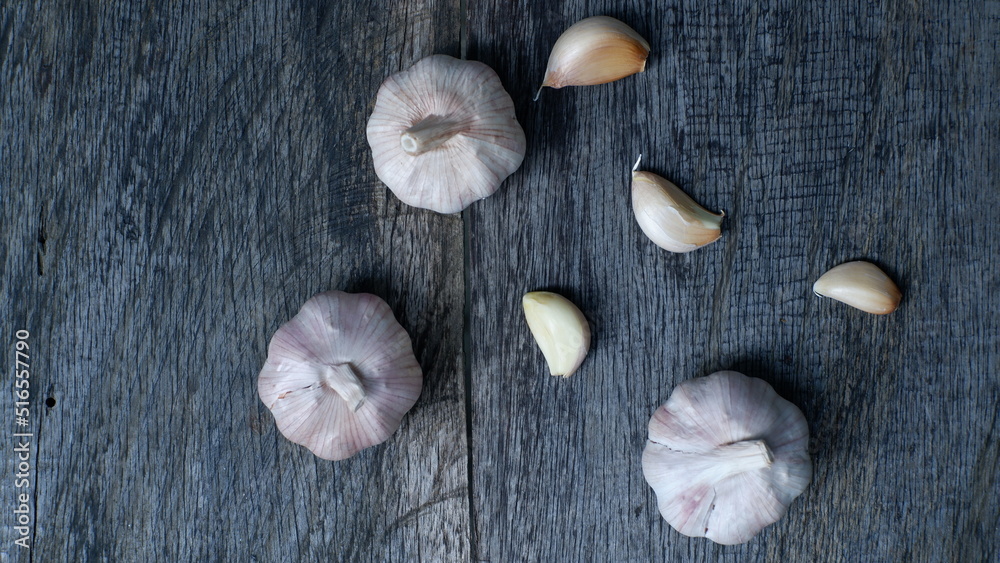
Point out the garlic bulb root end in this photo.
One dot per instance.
(345, 381)
(739, 457)
(428, 134)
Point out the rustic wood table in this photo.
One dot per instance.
(177, 178)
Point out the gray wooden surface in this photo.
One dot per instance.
(176, 179)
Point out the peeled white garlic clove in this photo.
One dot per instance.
(595, 50)
(669, 217)
(443, 134)
(560, 330)
(861, 285)
(340, 375)
(726, 455)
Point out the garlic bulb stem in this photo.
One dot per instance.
(345, 381)
(740, 457)
(428, 134)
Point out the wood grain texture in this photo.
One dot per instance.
(178, 179)
(827, 133)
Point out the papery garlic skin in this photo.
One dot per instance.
(861, 285)
(340, 375)
(726, 456)
(559, 328)
(669, 217)
(443, 134)
(593, 51)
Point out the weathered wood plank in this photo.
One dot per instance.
(827, 132)
(199, 170)
(176, 180)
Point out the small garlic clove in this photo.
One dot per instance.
(669, 217)
(861, 285)
(560, 330)
(593, 51)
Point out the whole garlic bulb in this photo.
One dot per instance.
(443, 134)
(726, 455)
(340, 375)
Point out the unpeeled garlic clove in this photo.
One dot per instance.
(861, 285)
(669, 217)
(559, 328)
(593, 51)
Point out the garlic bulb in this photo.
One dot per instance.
(340, 375)
(559, 328)
(726, 456)
(669, 217)
(595, 50)
(443, 134)
(861, 285)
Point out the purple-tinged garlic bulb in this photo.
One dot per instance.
(443, 134)
(726, 456)
(340, 375)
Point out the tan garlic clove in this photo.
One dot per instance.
(595, 50)
(669, 217)
(726, 456)
(443, 134)
(340, 375)
(559, 328)
(861, 285)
